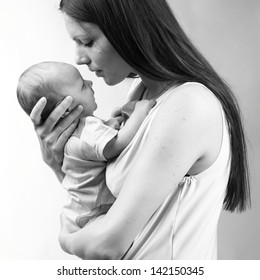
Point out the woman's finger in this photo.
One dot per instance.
(68, 120)
(61, 133)
(65, 135)
(57, 113)
(37, 111)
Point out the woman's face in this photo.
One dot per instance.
(94, 50)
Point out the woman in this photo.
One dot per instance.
(187, 160)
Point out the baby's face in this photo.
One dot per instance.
(72, 84)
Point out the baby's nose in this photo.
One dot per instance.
(89, 83)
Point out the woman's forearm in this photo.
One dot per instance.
(93, 242)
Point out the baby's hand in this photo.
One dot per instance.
(114, 122)
(144, 106)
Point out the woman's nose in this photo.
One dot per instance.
(81, 56)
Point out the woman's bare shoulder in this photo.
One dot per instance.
(190, 121)
(195, 93)
(192, 100)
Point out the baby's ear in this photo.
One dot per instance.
(65, 113)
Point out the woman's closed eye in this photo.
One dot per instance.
(88, 44)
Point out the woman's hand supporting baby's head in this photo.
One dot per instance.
(54, 132)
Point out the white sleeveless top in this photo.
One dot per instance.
(185, 225)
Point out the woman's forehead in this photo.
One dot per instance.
(77, 29)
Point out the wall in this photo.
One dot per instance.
(226, 31)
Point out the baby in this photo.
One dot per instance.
(93, 142)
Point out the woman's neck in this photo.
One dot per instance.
(155, 88)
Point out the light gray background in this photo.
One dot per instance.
(228, 34)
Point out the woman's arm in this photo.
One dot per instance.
(54, 132)
(187, 129)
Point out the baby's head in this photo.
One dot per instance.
(55, 81)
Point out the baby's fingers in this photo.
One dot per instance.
(116, 112)
(152, 103)
(115, 122)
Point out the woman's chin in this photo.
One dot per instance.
(112, 82)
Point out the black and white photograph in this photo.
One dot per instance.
(130, 130)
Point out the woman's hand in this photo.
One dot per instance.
(54, 132)
(83, 242)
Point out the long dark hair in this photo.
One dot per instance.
(148, 37)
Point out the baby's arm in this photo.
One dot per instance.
(116, 145)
